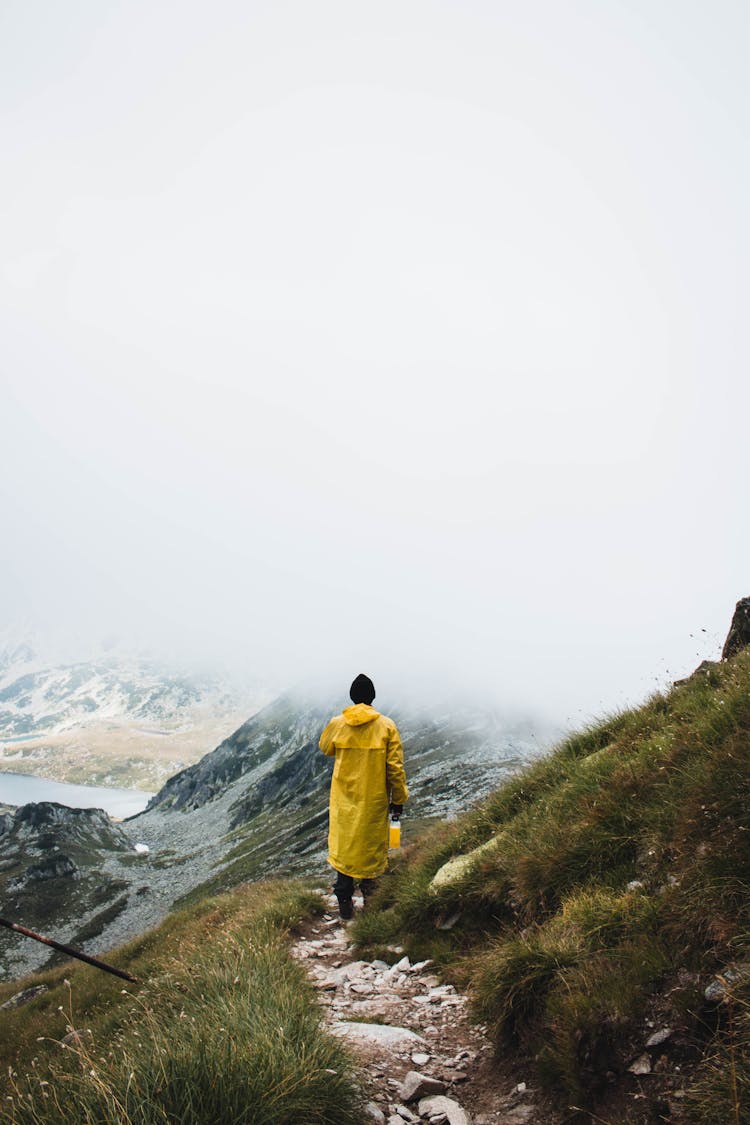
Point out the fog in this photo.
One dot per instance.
(408, 339)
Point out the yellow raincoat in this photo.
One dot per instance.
(367, 775)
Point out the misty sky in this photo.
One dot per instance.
(406, 338)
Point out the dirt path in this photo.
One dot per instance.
(402, 1021)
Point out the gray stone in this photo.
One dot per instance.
(24, 996)
(420, 1059)
(642, 1065)
(715, 992)
(659, 1037)
(406, 1114)
(733, 974)
(355, 970)
(455, 1115)
(383, 1034)
(417, 1085)
(374, 1113)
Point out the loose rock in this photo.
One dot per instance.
(642, 1065)
(417, 1086)
(454, 1114)
(406, 1114)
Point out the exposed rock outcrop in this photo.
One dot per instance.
(54, 877)
(42, 825)
(738, 638)
(739, 631)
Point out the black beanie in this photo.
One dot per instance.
(362, 690)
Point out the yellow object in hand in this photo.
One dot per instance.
(394, 838)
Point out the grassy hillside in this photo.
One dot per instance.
(590, 901)
(223, 1027)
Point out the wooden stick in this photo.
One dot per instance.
(67, 949)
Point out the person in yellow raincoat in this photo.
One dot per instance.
(368, 779)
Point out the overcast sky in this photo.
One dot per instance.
(407, 338)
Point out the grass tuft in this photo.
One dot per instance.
(224, 1028)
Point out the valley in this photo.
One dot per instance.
(254, 807)
(116, 719)
(124, 754)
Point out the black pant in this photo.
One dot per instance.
(343, 888)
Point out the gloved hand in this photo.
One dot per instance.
(396, 810)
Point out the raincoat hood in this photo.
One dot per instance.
(358, 714)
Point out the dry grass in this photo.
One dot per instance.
(223, 1028)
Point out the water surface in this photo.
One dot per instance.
(20, 789)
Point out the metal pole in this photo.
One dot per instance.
(67, 949)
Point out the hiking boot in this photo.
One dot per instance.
(346, 908)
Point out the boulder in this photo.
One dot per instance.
(460, 865)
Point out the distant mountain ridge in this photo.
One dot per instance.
(38, 697)
(117, 719)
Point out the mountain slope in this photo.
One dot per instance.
(54, 871)
(255, 806)
(599, 905)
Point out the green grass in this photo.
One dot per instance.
(223, 1028)
(561, 957)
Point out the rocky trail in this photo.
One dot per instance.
(422, 1060)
